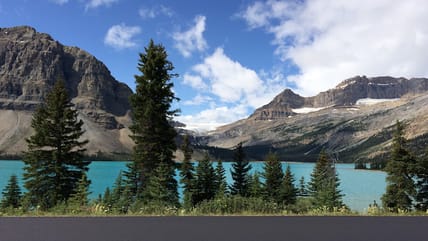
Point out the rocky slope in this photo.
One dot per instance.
(354, 121)
(346, 93)
(30, 63)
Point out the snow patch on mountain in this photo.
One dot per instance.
(306, 110)
(370, 101)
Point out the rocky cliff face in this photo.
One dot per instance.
(346, 93)
(280, 107)
(335, 122)
(31, 62)
(349, 91)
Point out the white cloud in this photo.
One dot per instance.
(198, 100)
(256, 15)
(226, 81)
(213, 117)
(98, 3)
(230, 81)
(121, 36)
(60, 2)
(192, 39)
(333, 40)
(155, 11)
(147, 12)
(195, 81)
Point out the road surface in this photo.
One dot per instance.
(214, 228)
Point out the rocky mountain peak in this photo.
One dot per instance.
(347, 93)
(289, 98)
(31, 62)
(280, 107)
(354, 121)
(21, 33)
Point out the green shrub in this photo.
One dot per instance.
(236, 205)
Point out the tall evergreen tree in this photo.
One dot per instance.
(81, 195)
(186, 148)
(107, 198)
(118, 188)
(220, 180)
(11, 194)
(421, 171)
(324, 184)
(240, 173)
(273, 176)
(152, 133)
(288, 191)
(120, 197)
(302, 187)
(54, 161)
(187, 172)
(256, 186)
(400, 188)
(204, 186)
(132, 179)
(162, 186)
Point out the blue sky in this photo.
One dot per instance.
(235, 56)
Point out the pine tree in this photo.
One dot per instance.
(288, 192)
(118, 188)
(132, 179)
(324, 184)
(400, 187)
(302, 187)
(240, 173)
(421, 171)
(256, 186)
(152, 133)
(80, 197)
(125, 201)
(54, 161)
(273, 176)
(204, 186)
(11, 194)
(220, 180)
(162, 186)
(107, 199)
(187, 172)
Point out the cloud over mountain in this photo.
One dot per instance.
(191, 40)
(121, 36)
(238, 89)
(331, 40)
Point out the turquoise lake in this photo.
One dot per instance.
(361, 187)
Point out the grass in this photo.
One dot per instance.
(231, 206)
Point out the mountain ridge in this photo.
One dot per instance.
(31, 62)
(346, 93)
(337, 122)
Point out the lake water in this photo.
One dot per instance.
(361, 187)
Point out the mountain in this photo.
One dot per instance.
(30, 63)
(347, 93)
(354, 121)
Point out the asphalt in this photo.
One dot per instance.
(298, 228)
